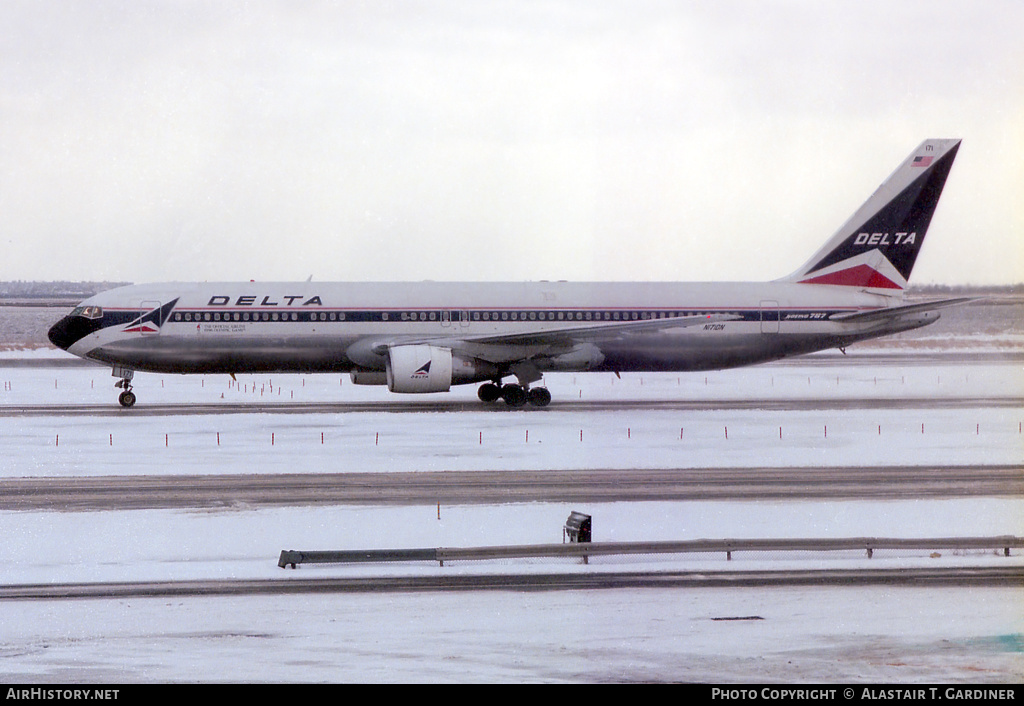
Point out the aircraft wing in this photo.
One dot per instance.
(520, 345)
(894, 312)
(595, 331)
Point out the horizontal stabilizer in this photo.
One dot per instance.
(896, 311)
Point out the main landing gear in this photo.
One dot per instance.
(127, 397)
(514, 395)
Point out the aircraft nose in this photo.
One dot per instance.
(60, 333)
(71, 329)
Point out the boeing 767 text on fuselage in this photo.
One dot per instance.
(427, 336)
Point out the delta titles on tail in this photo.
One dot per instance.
(427, 336)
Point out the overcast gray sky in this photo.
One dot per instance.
(495, 140)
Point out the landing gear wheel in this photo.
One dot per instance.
(539, 396)
(489, 392)
(126, 398)
(514, 395)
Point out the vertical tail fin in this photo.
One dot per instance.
(877, 247)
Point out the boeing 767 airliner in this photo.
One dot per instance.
(427, 336)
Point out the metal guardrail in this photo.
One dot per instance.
(293, 558)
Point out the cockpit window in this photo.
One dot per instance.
(88, 312)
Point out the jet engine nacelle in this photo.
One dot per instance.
(419, 368)
(426, 368)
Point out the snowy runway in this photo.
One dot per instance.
(805, 634)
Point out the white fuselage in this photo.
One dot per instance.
(291, 327)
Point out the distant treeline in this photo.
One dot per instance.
(967, 289)
(54, 290)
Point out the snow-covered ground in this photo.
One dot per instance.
(830, 634)
(417, 437)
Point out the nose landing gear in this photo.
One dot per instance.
(127, 397)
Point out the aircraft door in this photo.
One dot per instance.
(450, 318)
(769, 316)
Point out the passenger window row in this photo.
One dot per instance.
(426, 316)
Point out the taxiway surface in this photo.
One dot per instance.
(476, 487)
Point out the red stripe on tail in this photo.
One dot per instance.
(859, 276)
